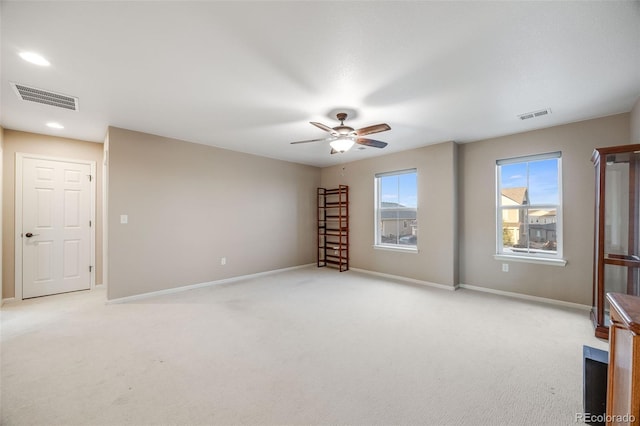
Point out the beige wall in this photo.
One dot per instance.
(635, 122)
(437, 244)
(188, 205)
(32, 143)
(2, 296)
(477, 161)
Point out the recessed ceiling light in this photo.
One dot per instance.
(55, 125)
(34, 58)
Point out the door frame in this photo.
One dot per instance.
(20, 156)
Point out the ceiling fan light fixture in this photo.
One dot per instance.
(342, 144)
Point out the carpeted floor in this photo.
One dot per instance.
(308, 346)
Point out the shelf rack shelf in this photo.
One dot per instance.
(333, 227)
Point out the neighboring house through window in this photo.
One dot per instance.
(529, 212)
(396, 209)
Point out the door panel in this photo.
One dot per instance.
(44, 208)
(44, 261)
(72, 259)
(71, 209)
(56, 209)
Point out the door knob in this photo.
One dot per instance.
(29, 235)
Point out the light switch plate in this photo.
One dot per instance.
(124, 218)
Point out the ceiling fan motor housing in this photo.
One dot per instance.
(345, 130)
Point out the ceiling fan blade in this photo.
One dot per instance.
(373, 129)
(324, 127)
(312, 140)
(371, 142)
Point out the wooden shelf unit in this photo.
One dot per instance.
(333, 227)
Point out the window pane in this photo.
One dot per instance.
(397, 209)
(514, 236)
(389, 196)
(513, 175)
(529, 205)
(389, 231)
(407, 190)
(542, 230)
(543, 182)
(398, 226)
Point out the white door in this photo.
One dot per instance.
(56, 229)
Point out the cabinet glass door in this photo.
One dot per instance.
(617, 242)
(621, 231)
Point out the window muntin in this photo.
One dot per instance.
(529, 211)
(397, 209)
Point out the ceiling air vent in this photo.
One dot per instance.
(46, 97)
(534, 114)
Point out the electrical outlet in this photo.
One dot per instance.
(223, 260)
(505, 267)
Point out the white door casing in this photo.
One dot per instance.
(55, 201)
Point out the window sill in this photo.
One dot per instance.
(413, 250)
(536, 260)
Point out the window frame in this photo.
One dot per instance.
(378, 244)
(535, 257)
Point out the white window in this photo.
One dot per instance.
(397, 209)
(529, 212)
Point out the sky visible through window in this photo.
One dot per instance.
(400, 189)
(540, 177)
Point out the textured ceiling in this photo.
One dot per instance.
(249, 76)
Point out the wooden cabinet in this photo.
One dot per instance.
(623, 390)
(333, 227)
(616, 267)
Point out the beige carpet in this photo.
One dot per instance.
(309, 346)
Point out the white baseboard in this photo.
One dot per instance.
(400, 278)
(201, 285)
(7, 300)
(481, 289)
(527, 297)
